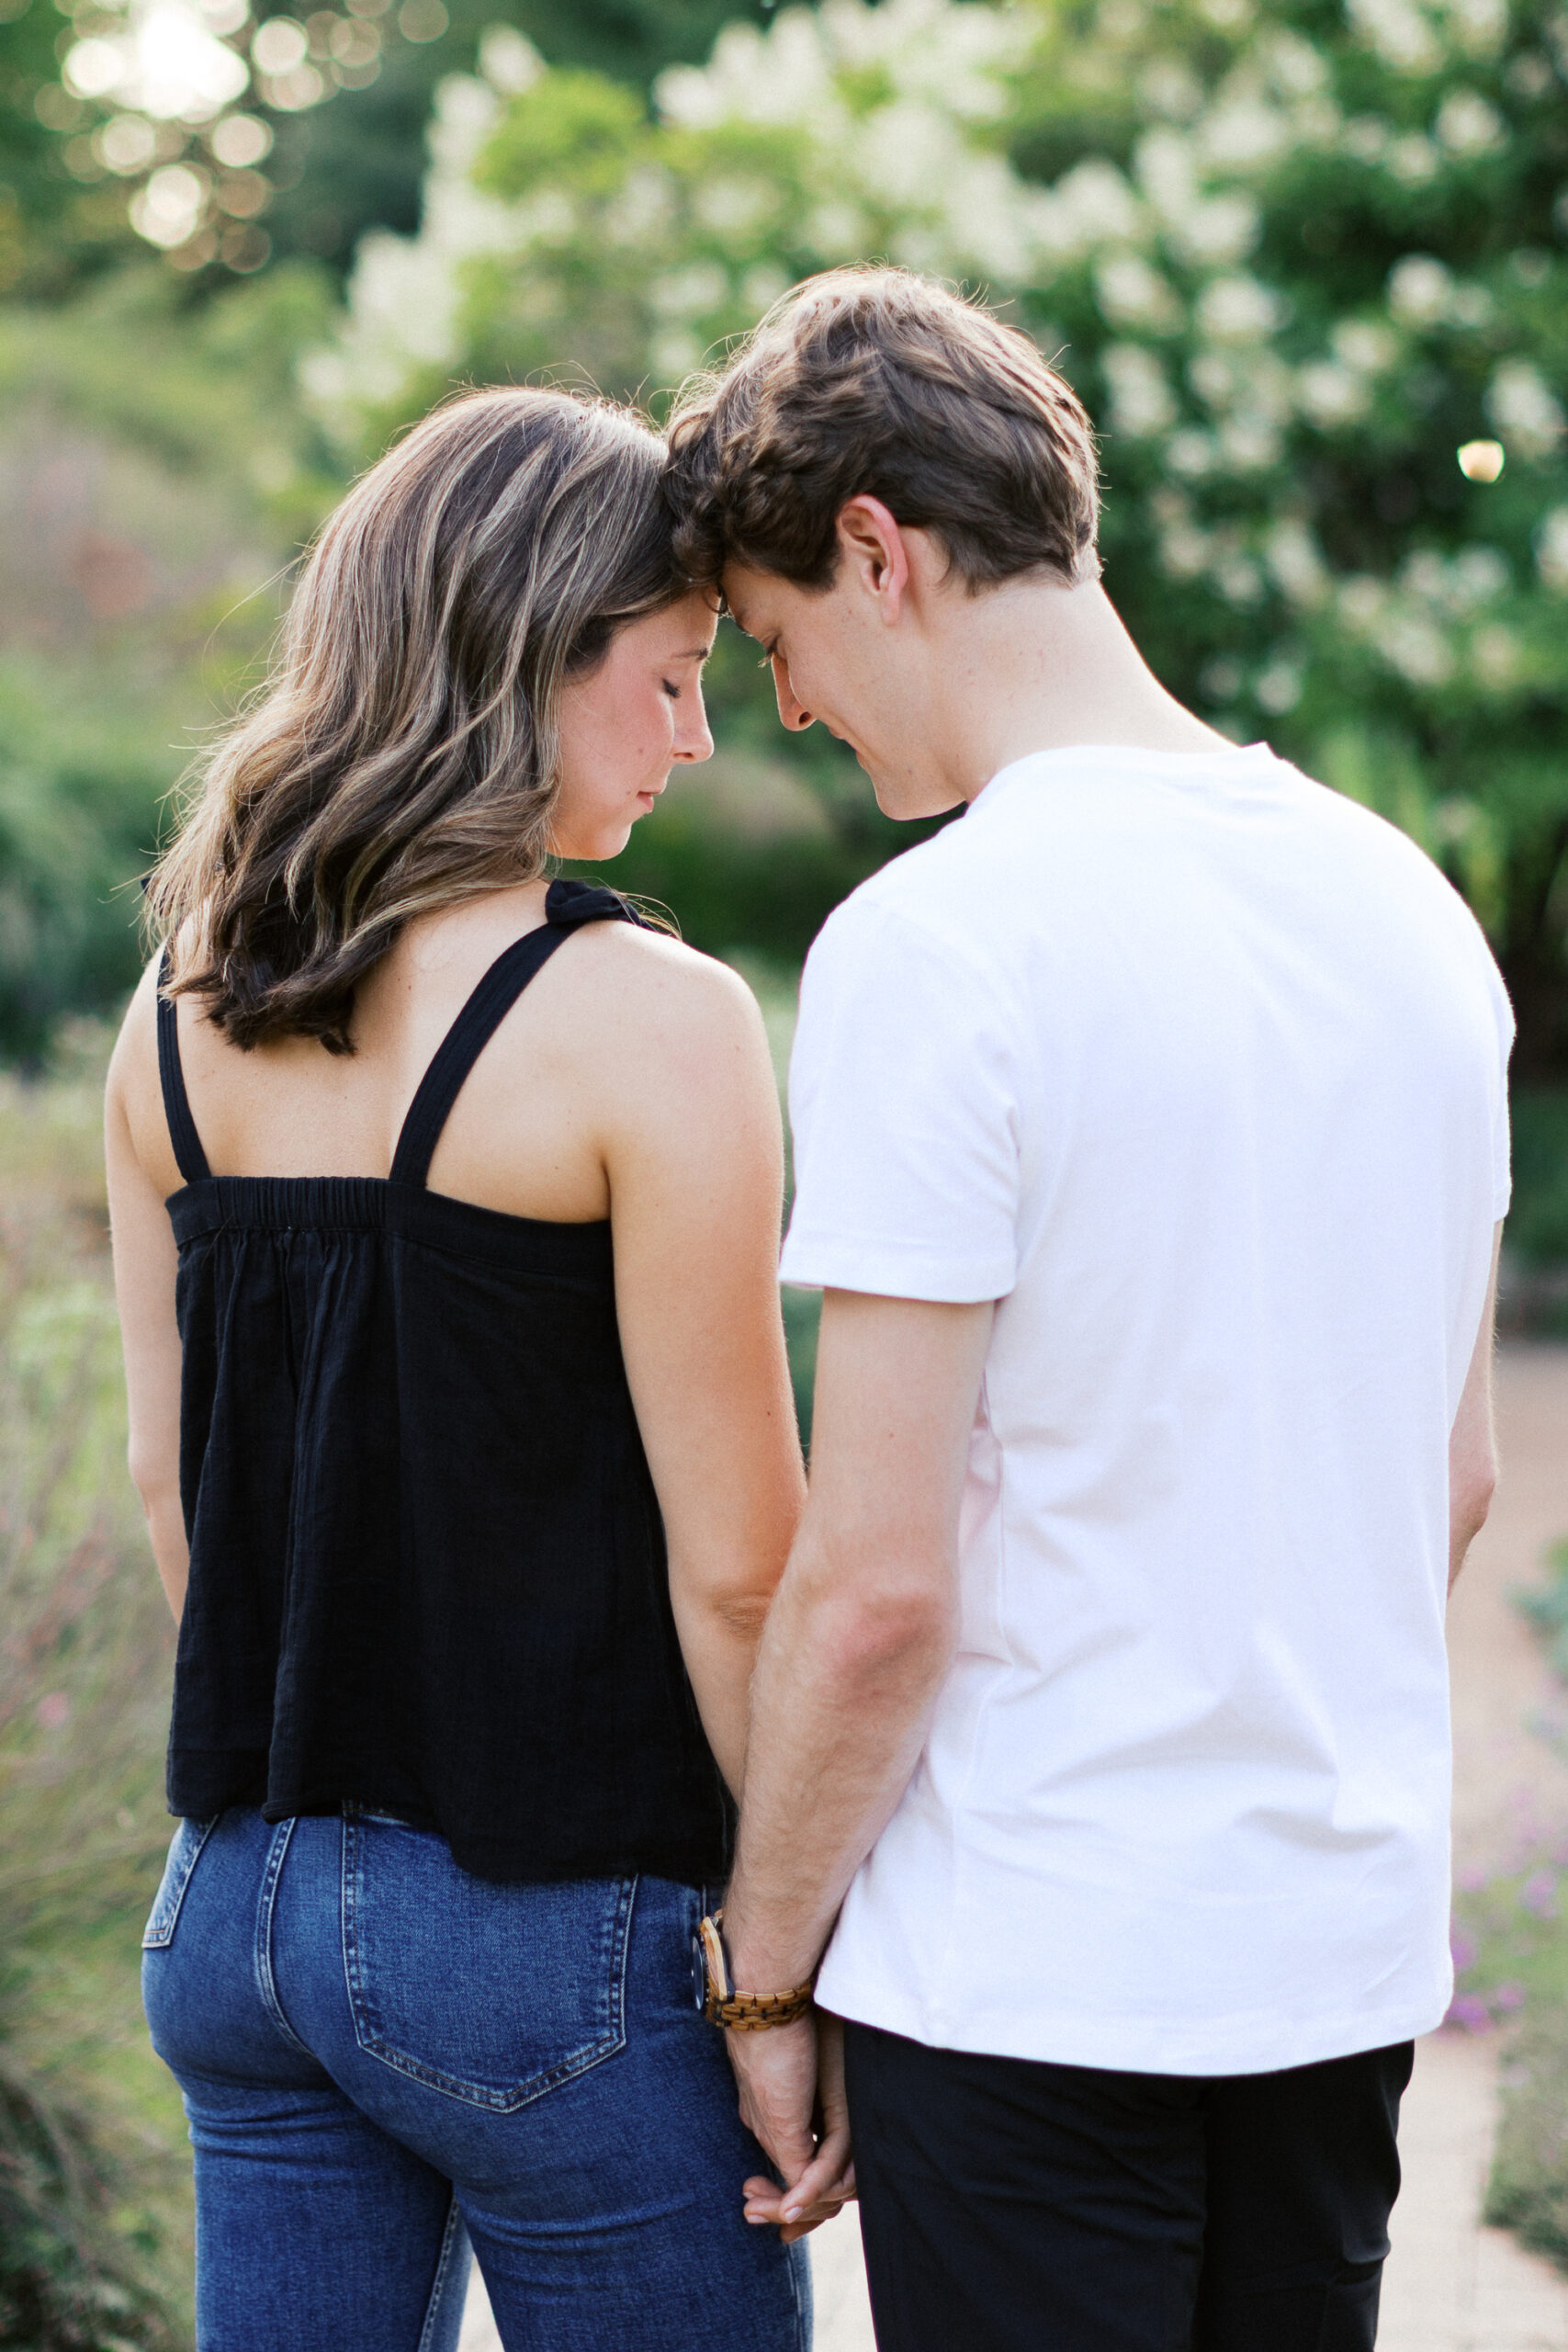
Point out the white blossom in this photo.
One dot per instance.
(1420, 289)
(1530, 416)
(1191, 452)
(838, 228)
(1128, 292)
(1331, 393)
(1367, 137)
(689, 293)
(1142, 403)
(1296, 561)
(1239, 579)
(1551, 548)
(1170, 88)
(1243, 131)
(1361, 603)
(510, 63)
(1296, 69)
(734, 208)
(1365, 344)
(1414, 159)
(1249, 441)
(1417, 648)
(675, 353)
(1183, 551)
(1455, 586)
(1238, 308)
(1468, 124)
(1089, 206)
(1400, 31)
(1481, 574)
(1277, 687)
(1480, 27)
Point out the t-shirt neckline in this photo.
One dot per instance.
(1138, 757)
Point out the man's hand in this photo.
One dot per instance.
(792, 2099)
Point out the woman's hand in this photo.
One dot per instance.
(826, 2182)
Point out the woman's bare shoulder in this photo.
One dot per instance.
(652, 1009)
(652, 978)
(134, 1093)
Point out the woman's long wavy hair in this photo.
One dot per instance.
(403, 754)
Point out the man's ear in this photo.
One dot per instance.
(874, 546)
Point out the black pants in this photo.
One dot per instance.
(1014, 2207)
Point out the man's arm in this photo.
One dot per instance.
(1472, 1444)
(859, 1640)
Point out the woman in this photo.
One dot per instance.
(446, 1210)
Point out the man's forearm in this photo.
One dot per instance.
(845, 1679)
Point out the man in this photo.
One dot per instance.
(1151, 1137)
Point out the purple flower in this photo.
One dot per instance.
(1539, 1894)
(1463, 1947)
(1470, 1881)
(1469, 2011)
(1506, 1998)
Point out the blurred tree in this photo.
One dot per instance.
(1304, 261)
(115, 126)
(358, 164)
(156, 476)
(54, 230)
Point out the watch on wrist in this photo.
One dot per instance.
(721, 2005)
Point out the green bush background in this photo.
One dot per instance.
(1286, 529)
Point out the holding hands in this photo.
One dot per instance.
(792, 2098)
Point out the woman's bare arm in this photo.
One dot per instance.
(144, 1267)
(694, 1151)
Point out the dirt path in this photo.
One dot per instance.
(1450, 2284)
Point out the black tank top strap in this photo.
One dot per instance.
(567, 906)
(189, 1157)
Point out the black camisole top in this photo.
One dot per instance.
(427, 1566)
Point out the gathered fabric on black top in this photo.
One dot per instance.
(427, 1565)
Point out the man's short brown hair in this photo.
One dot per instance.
(876, 383)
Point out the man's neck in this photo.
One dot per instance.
(1042, 668)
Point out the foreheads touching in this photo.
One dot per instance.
(878, 452)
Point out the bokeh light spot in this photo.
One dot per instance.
(1481, 460)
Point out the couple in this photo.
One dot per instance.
(1088, 1714)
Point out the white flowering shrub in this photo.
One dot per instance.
(1304, 261)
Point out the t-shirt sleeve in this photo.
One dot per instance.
(904, 1106)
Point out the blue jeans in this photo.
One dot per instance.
(385, 2060)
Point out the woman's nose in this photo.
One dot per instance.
(694, 741)
(793, 712)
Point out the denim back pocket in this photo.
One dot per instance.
(494, 1994)
(185, 1847)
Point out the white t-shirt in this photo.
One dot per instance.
(1198, 1068)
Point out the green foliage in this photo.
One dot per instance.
(77, 804)
(356, 163)
(1537, 1223)
(89, 2193)
(155, 476)
(1511, 1951)
(1527, 2191)
(55, 234)
(1297, 260)
(574, 127)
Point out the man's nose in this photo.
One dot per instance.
(793, 713)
